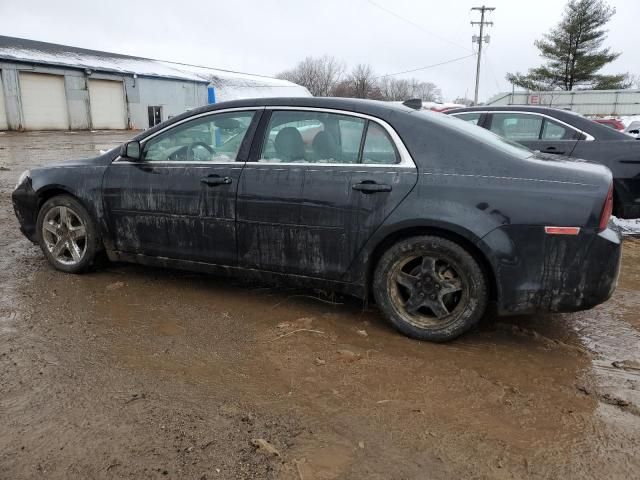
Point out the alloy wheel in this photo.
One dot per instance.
(65, 235)
(427, 289)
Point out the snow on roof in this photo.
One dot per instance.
(229, 84)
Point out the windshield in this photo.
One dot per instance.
(479, 133)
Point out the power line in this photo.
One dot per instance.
(211, 68)
(417, 25)
(491, 69)
(428, 66)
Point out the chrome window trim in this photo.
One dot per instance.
(316, 164)
(119, 160)
(200, 115)
(406, 161)
(159, 163)
(588, 137)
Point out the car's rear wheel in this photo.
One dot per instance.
(430, 288)
(67, 234)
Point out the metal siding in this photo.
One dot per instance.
(586, 102)
(75, 85)
(3, 114)
(44, 103)
(106, 100)
(174, 96)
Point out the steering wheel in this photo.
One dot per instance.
(191, 148)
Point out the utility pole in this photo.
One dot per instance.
(480, 40)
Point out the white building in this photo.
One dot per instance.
(587, 102)
(45, 86)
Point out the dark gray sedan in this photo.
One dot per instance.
(430, 216)
(561, 132)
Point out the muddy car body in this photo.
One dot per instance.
(432, 216)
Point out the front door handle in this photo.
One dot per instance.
(214, 180)
(553, 150)
(369, 186)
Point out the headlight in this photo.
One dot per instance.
(23, 178)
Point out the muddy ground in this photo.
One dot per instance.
(132, 372)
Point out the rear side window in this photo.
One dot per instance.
(312, 137)
(378, 147)
(470, 117)
(321, 137)
(516, 126)
(555, 131)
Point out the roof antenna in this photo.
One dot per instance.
(415, 103)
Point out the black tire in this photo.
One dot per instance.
(430, 288)
(63, 231)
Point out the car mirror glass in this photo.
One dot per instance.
(132, 150)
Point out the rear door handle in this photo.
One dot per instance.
(214, 180)
(553, 150)
(371, 187)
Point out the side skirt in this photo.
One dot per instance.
(246, 274)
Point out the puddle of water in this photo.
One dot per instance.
(611, 332)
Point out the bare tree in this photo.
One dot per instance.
(394, 89)
(319, 75)
(426, 91)
(360, 83)
(634, 80)
(324, 76)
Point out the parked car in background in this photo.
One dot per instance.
(611, 123)
(432, 217)
(562, 132)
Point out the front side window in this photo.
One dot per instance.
(516, 126)
(213, 138)
(470, 117)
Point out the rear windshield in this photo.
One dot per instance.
(470, 130)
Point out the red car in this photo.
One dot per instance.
(610, 122)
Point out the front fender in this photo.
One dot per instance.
(82, 182)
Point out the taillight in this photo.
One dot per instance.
(607, 209)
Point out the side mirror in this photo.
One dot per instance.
(227, 124)
(131, 150)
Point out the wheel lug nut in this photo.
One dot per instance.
(433, 297)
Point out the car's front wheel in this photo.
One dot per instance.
(67, 234)
(430, 288)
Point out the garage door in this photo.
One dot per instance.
(107, 104)
(3, 113)
(44, 103)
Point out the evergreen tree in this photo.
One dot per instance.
(574, 52)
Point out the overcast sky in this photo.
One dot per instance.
(267, 36)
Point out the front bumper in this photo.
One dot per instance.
(25, 206)
(538, 272)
